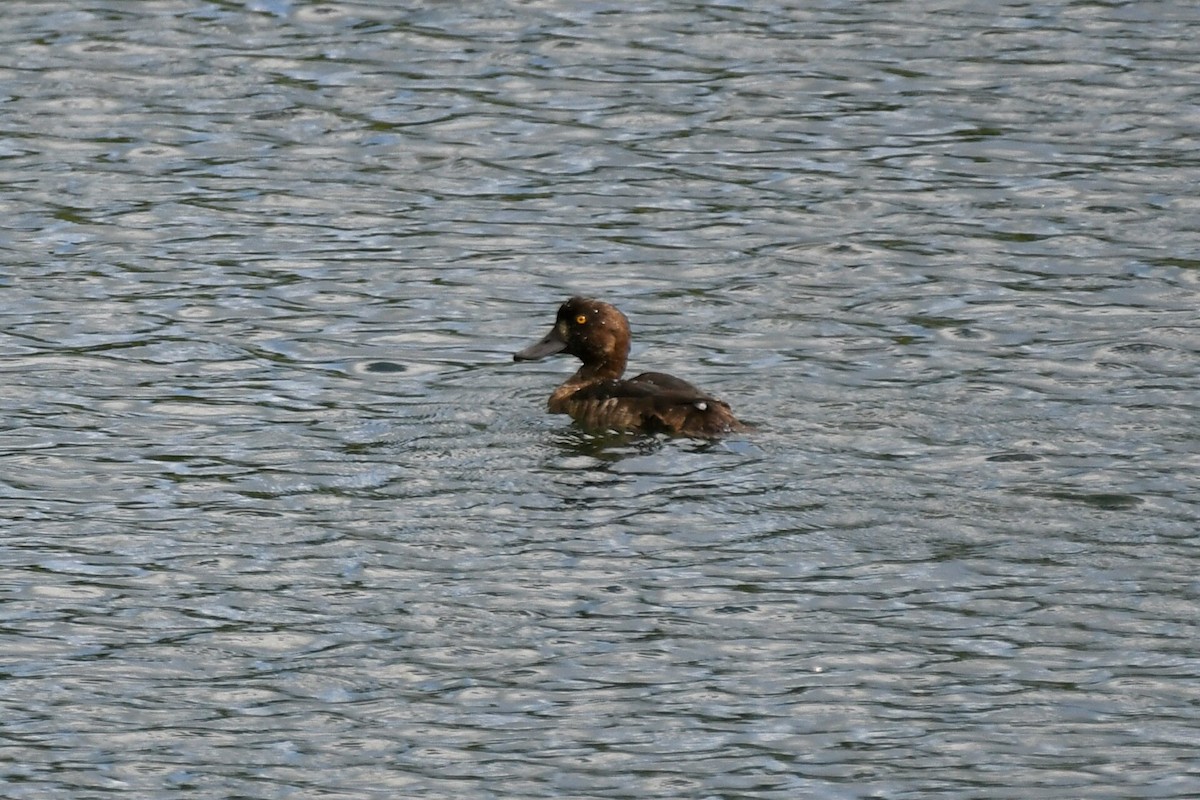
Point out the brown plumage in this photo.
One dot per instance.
(596, 397)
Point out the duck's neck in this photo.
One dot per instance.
(609, 369)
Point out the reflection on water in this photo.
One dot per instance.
(282, 518)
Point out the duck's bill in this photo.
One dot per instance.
(551, 343)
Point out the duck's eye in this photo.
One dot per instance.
(582, 318)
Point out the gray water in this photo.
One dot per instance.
(282, 519)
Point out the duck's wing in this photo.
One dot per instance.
(656, 381)
(647, 386)
(655, 401)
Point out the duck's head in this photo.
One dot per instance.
(591, 330)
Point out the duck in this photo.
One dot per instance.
(599, 399)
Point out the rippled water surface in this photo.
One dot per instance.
(283, 519)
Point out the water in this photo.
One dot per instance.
(282, 518)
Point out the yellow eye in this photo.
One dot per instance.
(582, 318)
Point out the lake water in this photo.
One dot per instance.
(283, 519)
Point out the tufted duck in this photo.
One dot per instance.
(598, 335)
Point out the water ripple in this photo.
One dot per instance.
(283, 517)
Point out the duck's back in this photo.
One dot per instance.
(653, 402)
